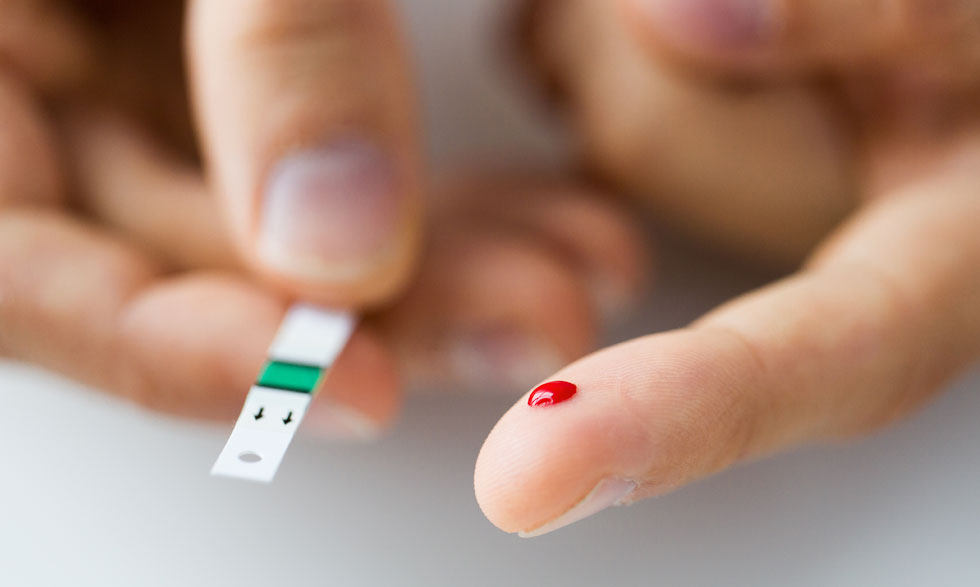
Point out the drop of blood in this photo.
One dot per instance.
(551, 393)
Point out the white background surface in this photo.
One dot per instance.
(95, 492)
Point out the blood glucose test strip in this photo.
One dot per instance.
(308, 342)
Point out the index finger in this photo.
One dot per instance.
(885, 314)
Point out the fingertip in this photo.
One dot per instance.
(646, 416)
(193, 345)
(361, 285)
(360, 397)
(527, 475)
(539, 463)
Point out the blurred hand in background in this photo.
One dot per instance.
(156, 263)
(842, 133)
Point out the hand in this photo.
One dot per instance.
(761, 125)
(147, 283)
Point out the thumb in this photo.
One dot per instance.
(881, 318)
(763, 34)
(308, 127)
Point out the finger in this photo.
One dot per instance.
(43, 43)
(145, 193)
(594, 235)
(491, 311)
(884, 315)
(201, 340)
(29, 170)
(453, 327)
(763, 173)
(80, 303)
(308, 127)
(793, 34)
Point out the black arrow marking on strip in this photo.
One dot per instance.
(259, 415)
(288, 418)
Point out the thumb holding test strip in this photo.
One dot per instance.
(307, 117)
(157, 287)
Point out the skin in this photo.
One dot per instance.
(125, 255)
(883, 146)
(751, 149)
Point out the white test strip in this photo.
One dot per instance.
(308, 342)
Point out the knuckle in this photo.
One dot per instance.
(270, 24)
(315, 64)
(29, 170)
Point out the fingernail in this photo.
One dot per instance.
(607, 493)
(330, 213)
(502, 360)
(333, 421)
(712, 24)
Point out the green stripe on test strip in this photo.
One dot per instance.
(289, 376)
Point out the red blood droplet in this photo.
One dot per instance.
(553, 392)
